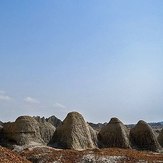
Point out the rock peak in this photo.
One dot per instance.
(74, 133)
(114, 120)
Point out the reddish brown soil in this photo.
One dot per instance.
(7, 156)
(47, 155)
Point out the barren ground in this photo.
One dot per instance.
(111, 155)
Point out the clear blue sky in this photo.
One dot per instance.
(101, 58)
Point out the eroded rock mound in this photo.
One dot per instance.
(26, 130)
(23, 131)
(114, 134)
(40, 119)
(54, 121)
(46, 131)
(142, 137)
(74, 133)
(160, 138)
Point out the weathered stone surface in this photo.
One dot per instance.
(23, 131)
(114, 134)
(40, 119)
(46, 131)
(54, 121)
(26, 130)
(142, 137)
(160, 138)
(74, 133)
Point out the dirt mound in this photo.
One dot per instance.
(74, 133)
(114, 134)
(142, 137)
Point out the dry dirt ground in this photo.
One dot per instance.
(8, 156)
(111, 155)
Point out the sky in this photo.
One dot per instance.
(101, 58)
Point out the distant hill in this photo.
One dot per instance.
(154, 125)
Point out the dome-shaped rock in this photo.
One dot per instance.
(74, 133)
(23, 131)
(114, 134)
(142, 137)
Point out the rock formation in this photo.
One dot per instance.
(46, 131)
(74, 133)
(97, 126)
(53, 120)
(26, 130)
(40, 119)
(142, 137)
(23, 131)
(114, 134)
(160, 138)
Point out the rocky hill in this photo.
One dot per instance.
(26, 131)
(114, 134)
(154, 125)
(49, 140)
(142, 137)
(53, 120)
(74, 133)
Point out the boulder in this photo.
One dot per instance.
(114, 134)
(74, 133)
(160, 138)
(143, 138)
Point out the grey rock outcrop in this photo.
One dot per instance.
(26, 130)
(54, 121)
(114, 134)
(23, 131)
(97, 126)
(160, 138)
(74, 133)
(40, 119)
(46, 131)
(142, 137)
